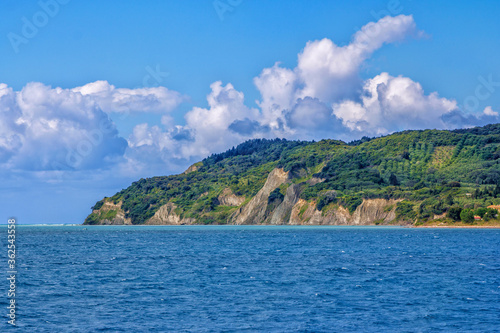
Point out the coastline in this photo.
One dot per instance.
(428, 226)
(457, 226)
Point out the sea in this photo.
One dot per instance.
(73, 278)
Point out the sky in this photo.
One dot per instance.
(97, 94)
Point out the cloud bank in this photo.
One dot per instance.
(324, 96)
(45, 128)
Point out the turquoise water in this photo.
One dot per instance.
(265, 279)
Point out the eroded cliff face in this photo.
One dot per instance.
(193, 168)
(371, 211)
(108, 209)
(295, 211)
(228, 198)
(254, 212)
(290, 210)
(166, 215)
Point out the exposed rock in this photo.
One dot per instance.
(228, 198)
(296, 211)
(166, 215)
(291, 210)
(193, 168)
(283, 212)
(254, 212)
(315, 180)
(439, 216)
(119, 219)
(312, 216)
(370, 211)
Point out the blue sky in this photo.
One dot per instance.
(448, 48)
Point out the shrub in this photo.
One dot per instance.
(275, 195)
(467, 216)
(481, 211)
(98, 205)
(404, 211)
(454, 213)
(393, 180)
(327, 198)
(490, 214)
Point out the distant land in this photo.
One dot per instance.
(414, 178)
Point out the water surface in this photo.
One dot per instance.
(267, 279)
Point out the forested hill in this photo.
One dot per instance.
(406, 177)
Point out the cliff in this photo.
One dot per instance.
(404, 178)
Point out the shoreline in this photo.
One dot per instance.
(457, 226)
(281, 225)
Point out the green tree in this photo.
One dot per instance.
(449, 200)
(481, 211)
(467, 216)
(393, 180)
(454, 213)
(490, 214)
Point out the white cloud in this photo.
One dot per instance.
(325, 71)
(11, 130)
(207, 130)
(112, 99)
(44, 128)
(489, 111)
(330, 72)
(391, 104)
(277, 86)
(55, 129)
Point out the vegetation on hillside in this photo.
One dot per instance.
(432, 172)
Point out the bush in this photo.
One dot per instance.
(481, 211)
(98, 205)
(327, 198)
(404, 211)
(490, 214)
(454, 213)
(275, 195)
(467, 216)
(351, 202)
(393, 180)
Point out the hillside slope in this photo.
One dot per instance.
(402, 178)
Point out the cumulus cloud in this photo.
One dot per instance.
(44, 128)
(55, 129)
(312, 119)
(330, 72)
(460, 119)
(488, 111)
(227, 121)
(324, 96)
(391, 104)
(11, 138)
(112, 99)
(277, 87)
(325, 72)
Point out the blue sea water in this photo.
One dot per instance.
(255, 279)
